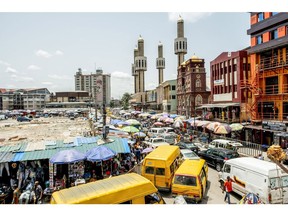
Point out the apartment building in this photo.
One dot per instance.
(97, 84)
(24, 99)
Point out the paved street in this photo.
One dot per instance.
(214, 194)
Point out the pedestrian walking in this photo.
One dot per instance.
(228, 189)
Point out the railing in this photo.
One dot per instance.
(272, 62)
(248, 149)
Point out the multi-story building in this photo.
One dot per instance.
(226, 73)
(268, 81)
(24, 99)
(73, 96)
(96, 84)
(191, 86)
(166, 96)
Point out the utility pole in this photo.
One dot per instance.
(95, 103)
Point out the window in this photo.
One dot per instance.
(152, 198)
(274, 34)
(185, 180)
(198, 83)
(127, 202)
(260, 16)
(173, 96)
(160, 171)
(199, 100)
(173, 87)
(259, 39)
(149, 170)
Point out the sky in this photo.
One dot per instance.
(46, 49)
(42, 44)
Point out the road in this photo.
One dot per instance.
(214, 193)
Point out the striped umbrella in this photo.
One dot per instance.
(222, 129)
(212, 125)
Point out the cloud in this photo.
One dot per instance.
(4, 63)
(58, 52)
(21, 78)
(121, 75)
(188, 17)
(42, 53)
(33, 67)
(46, 83)
(11, 70)
(55, 76)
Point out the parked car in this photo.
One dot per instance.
(216, 157)
(23, 119)
(188, 154)
(189, 145)
(155, 142)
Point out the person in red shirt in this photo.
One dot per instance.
(228, 189)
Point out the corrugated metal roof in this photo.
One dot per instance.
(119, 145)
(35, 146)
(6, 156)
(18, 156)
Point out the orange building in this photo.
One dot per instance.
(267, 83)
(269, 66)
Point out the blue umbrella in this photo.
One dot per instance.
(100, 153)
(173, 115)
(139, 134)
(67, 156)
(250, 198)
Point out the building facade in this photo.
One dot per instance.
(191, 87)
(227, 74)
(73, 96)
(167, 96)
(267, 84)
(97, 84)
(24, 99)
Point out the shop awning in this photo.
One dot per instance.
(259, 127)
(219, 105)
(6, 157)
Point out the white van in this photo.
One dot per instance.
(156, 131)
(168, 138)
(263, 178)
(222, 143)
(168, 129)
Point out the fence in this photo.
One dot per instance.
(248, 149)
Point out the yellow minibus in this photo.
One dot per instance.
(160, 165)
(190, 180)
(124, 189)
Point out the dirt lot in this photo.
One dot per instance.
(49, 129)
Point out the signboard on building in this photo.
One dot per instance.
(276, 126)
(99, 88)
(218, 82)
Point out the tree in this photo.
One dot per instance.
(112, 104)
(125, 100)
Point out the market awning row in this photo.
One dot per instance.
(119, 145)
(6, 157)
(219, 105)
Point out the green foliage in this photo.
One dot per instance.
(125, 100)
